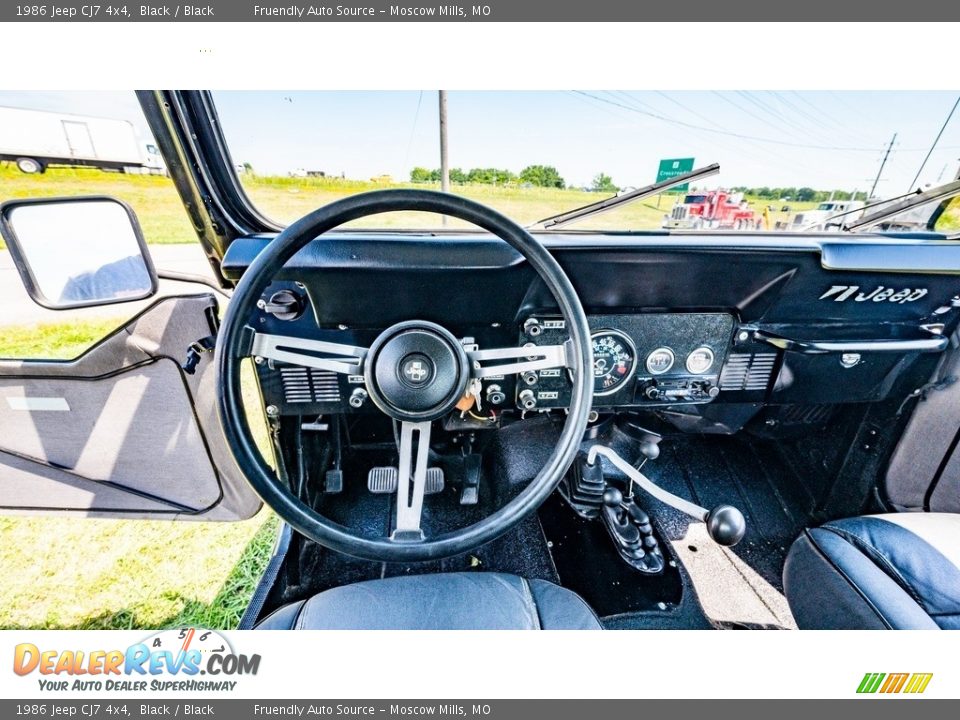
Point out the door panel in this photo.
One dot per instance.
(122, 430)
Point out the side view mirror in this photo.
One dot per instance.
(78, 252)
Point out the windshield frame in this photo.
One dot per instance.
(189, 134)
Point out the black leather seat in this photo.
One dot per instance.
(448, 601)
(898, 571)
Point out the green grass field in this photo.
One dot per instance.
(161, 214)
(284, 199)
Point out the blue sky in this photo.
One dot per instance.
(828, 139)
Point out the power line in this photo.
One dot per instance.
(882, 165)
(413, 130)
(730, 133)
(742, 147)
(935, 141)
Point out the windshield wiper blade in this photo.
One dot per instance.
(602, 206)
(868, 206)
(916, 199)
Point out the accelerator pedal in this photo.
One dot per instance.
(383, 480)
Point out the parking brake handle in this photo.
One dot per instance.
(725, 523)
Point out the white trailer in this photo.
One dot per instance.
(38, 139)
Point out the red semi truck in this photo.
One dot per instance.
(712, 209)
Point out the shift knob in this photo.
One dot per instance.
(726, 525)
(612, 497)
(650, 449)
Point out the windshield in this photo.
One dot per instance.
(533, 155)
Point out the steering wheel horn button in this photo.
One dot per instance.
(416, 370)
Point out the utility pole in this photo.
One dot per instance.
(882, 165)
(444, 160)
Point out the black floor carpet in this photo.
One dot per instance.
(588, 564)
(753, 476)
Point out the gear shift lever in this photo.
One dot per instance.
(725, 524)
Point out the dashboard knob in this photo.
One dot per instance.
(528, 401)
(284, 305)
(357, 398)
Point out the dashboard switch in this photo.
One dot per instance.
(357, 398)
(528, 401)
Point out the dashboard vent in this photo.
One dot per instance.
(747, 371)
(306, 385)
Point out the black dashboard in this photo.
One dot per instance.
(677, 321)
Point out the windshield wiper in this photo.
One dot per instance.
(915, 199)
(875, 203)
(602, 206)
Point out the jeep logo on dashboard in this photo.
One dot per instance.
(839, 293)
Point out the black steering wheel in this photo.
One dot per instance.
(415, 372)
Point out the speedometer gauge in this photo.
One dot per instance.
(614, 361)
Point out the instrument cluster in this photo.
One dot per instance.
(644, 359)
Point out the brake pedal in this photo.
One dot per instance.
(383, 480)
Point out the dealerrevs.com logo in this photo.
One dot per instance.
(894, 683)
(170, 660)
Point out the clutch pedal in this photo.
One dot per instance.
(383, 480)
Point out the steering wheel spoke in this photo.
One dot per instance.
(524, 359)
(411, 480)
(319, 354)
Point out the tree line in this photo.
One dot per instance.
(801, 194)
(538, 175)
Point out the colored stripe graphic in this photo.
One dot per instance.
(918, 682)
(913, 683)
(870, 682)
(894, 683)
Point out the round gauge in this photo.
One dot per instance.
(699, 361)
(659, 361)
(614, 360)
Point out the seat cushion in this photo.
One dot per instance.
(447, 601)
(897, 571)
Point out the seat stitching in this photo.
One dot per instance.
(531, 604)
(878, 558)
(853, 585)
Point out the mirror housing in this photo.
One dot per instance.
(78, 251)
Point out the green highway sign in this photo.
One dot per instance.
(672, 167)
